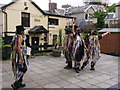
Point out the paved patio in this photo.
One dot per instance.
(49, 72)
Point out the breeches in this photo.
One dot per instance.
(68, 57)
(21, 71)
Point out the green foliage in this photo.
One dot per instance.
(57, 41)
(60, 37)
(54, 40)
(111, 8)
(2, 44)
(100, 15)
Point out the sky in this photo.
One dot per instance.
(43, 4)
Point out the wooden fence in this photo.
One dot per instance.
(41, 48)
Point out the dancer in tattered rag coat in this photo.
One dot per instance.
(68, 44)
(19, 59)
(94, 47)
(78, 50)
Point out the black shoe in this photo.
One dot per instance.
(22, 85)
(84, 64)
(66, 67)
(92, 68)
(82, 67)
(77, 70)
(14, 87)
(74, 67)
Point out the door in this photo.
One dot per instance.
(35, 44)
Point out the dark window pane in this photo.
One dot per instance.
(25, 17)
(86, 16)
(52, 21)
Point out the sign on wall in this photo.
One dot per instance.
(37, 17)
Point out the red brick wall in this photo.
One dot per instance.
(110, 43)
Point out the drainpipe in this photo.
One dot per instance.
(5, 22)
(48, 30)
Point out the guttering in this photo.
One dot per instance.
(5, 21)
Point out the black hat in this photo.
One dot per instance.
(68, 29)
(20, 28)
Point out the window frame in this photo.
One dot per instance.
(53, 19)
(28, 19)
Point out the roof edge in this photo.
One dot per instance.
(37, 8)
(59, 15)
(28, 0)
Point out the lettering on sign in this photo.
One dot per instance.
(36, 15)
(37, 20)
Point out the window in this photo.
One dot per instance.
(25, 17)
(52, 21)
(109, 16)
(86, 16)
(90, 16)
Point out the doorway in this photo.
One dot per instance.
(35, 44)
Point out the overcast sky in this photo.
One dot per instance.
(43, 4)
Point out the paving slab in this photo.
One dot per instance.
(47, 72)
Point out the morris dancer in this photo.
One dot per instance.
(19, 58)
(78, 49)
(94, 47)
(68, 44)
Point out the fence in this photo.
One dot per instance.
(41, 48)
(6, 48)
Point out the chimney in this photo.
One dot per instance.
(66, 6)
(14, 0)
(52, 6)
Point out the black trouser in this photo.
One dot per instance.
(68, 59)
(21, 69)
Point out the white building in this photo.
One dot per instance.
(41, 27)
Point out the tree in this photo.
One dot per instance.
(100, 15)
(111, 8)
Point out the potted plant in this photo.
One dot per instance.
(57, 51)
(5, 50)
